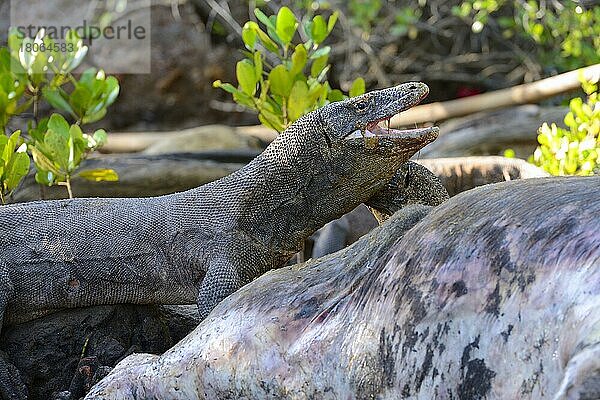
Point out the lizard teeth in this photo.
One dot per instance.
(358, 134)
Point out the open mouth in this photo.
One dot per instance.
(374, 129)
(379, 129)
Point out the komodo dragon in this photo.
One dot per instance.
(203, 244)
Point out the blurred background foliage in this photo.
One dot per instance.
(279, 79)
(575, 149)
(459, 47)
(282, 64)
(464, 46)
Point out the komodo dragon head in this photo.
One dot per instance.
(361, 154)
(359, 150)
(359, 117)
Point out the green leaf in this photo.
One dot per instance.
(264, 19)
(244, 99)
(358, 87)
(55, 98)
(58, 149)
(299, 58)
(80, 100)
(5, 154)
(43, 177)
(325, 89)
(15, 39)
(246, 76)
(7, 84)
(570, 120)
(100, 137)
(271, 120)
(264, 38)
(576, 106)
(258, 65)
(335, 95)
(59, 125)
(318, 29)
(10, 146)
(509, 153)
(281, 82)
(73, 59)
(76, 146)
(263, 120)
(88, 119)
(111, 91)
(298, 101)
(308, 44)
(332, 20)
(249, 35)
(98, 175)
(38, 69)
(42, 162)
(318, 66)
(16, 170)
(228, 87)
(286, 25)
(3, 143)
(5, 60)
(321, 52)
(26, 58)
(87, 77)
(273, 34)
(37, 133)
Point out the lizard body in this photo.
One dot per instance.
(203, 244)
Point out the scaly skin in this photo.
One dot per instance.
(423, 182)
(412, 184)
(203, 244)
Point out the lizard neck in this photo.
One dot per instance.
(297, 185)
(292, 189)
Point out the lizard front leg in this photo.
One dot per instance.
(11, 385)
(222, 279)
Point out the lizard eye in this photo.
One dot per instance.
(361, 105)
